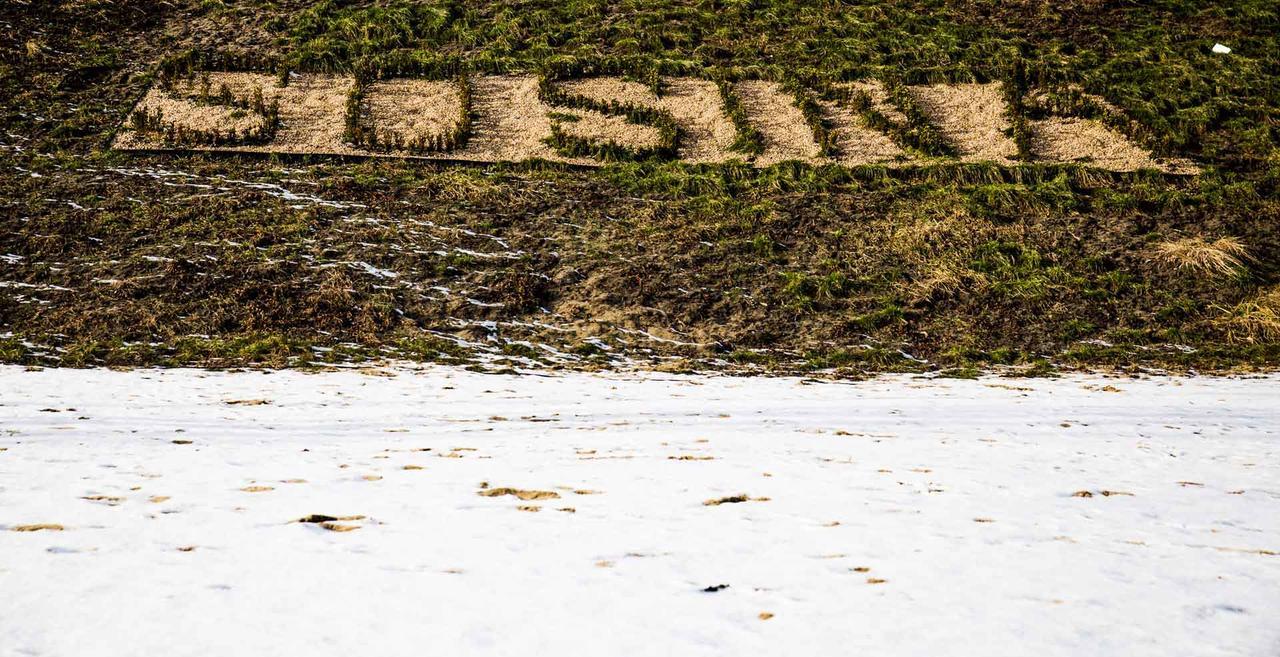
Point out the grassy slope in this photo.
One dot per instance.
(964, 266)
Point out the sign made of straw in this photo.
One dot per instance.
(594, 120)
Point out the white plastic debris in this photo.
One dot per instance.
(1221, 49)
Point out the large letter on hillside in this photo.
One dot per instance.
(694, 104)
(510, 121)
(225, 111)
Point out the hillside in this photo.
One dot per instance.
(864, 224)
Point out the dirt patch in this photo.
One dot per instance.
(972, 117)
(787, 136)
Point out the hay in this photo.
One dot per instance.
(412, 111)
(694, 104)
(511, 123)
(1256, 320)
(773, 112)
(1221, 258)
(972, 117)
(859, 144)
(1089, 141)
(600, 127)
(313, 109)
(312, 113)
(181, 104)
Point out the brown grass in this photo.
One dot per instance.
(734, 499)
(971, 116)
(522, 494)
(1253, 321)
(177, 104)
(772, 110)
(1088, 141)
(511, 121)
(320, 518)
(859, 144)
(412, 109)
(605, 128)
(1221, 258)
(694, 104)
(48, 526)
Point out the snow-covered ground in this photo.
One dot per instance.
(901, 516)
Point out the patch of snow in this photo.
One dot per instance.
(906, 516)
(374, 271)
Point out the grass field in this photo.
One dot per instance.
(135, 259)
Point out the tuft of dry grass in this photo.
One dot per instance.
(522, 494)
(1222, 257)
(734, 499)
(1253, 321)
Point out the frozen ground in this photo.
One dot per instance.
(903, 516)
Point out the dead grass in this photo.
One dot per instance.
(1253, 321)
(972, 117)
(522, 494)
(734, 499)
(605, 128)
(47, 526)
(511, 122)
(409, 111)
(1221, 258)
(694, 104)
(787, 135)
(1088, 141)
(857, 143)
(320, 518)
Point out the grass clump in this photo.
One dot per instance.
(1220, 258)
(1255, 320)
(748, 139)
